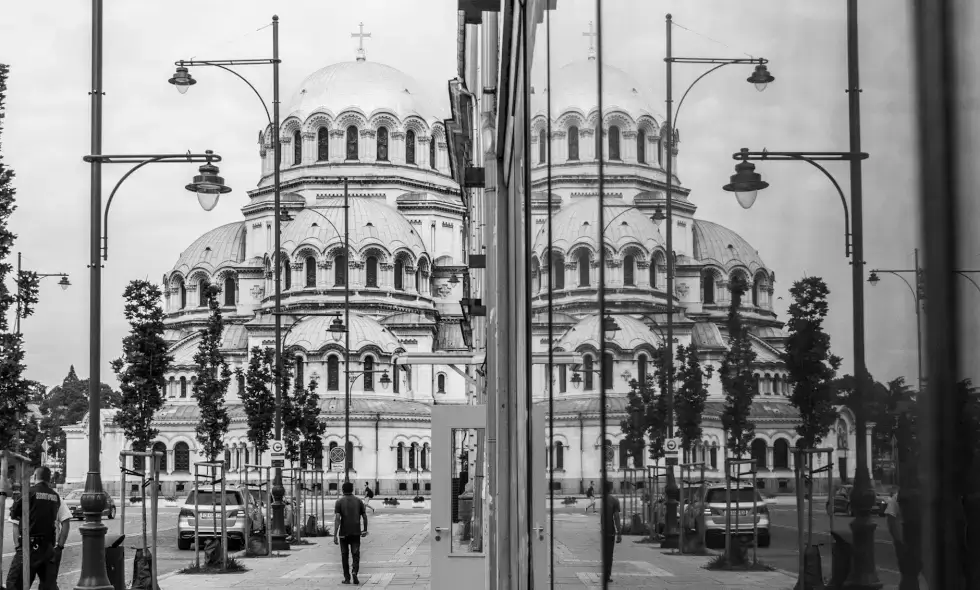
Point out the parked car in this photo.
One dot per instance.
(714, 506)
(73, 500)
(842, 501)
(238, 524)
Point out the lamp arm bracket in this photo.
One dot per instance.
(963, 274)
(717, 60)
(843, 201)
(677, 112)
(223, 63)
(898, 273)
(469, 379)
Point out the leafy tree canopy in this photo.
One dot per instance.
(691, 395)
(213, 379)
(736, 375)
(647, 409)
(258, 399)
(67, 404)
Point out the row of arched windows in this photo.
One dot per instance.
(371, 266)
(417, 456)
(709, 288)
(614, 152)
(228, 295)
(352, 146)
(182, 458)
(583, 260)
(780, 454)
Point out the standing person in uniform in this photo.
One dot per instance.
(611, 531)
(368, 495)
(348, 512)
(590, 494)
(44, 507)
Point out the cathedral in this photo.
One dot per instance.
(374, 131)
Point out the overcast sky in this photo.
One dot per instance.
(797, 225)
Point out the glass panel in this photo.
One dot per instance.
(468, 446)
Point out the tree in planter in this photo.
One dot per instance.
(213, 379)
(738, 383)
(258, 399)
(812, 369)
(689, 400)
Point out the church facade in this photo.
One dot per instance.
(373, 131)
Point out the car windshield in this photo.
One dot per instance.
(74, 495)
(214, 498)
(742, 495)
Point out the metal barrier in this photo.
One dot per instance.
(631, 494)
(154, 457)
(739, 476)
(654, 473)
(686, 483)
(215, 469)
(21, 472)
(319, 508)
(267, 525)
(804, 472)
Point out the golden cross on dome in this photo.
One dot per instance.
(360, 46)
(591, 35)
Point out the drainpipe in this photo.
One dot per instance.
(377, 453)
(581, 454)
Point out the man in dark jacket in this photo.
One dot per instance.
(44, 506)
(347, 532)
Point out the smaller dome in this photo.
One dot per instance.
(576, 224)
(220, 246)
(632, 334)
(718, 245)
(310, 334)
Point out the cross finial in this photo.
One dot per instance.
(591, 35)
(360, 46)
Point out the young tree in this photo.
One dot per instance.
(142, 368)
(258, 399)
(647, 409)
(736, 376)
(213, 378)
(691, 395)
(14, 390)
(305, 418)
(810, 364)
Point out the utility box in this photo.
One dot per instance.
(115, 561)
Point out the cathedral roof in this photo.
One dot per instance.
(310, 334)
(632, 334)
(575, 87)
(372, 222)
(588, 404)
(576, 224)
(220, 246)
(718, 245)
(329, 407)
(367, 86)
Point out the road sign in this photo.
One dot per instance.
(278, 450)
(278, 462)
(337, 455)
(339, 467)
(672, 447)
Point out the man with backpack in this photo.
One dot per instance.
(368, 495)
(590, 494)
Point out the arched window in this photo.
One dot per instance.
(411, 457)
(573, 143)
(371, 270)
(297, 148)
(432, 152)
(629, 264)
(331, 447)
(780, 454)
(608, 452)
(624, 454)
(310, 266)
(535, 276)
(641, 146)
(713, 454)
(322, 144)
(202, 293)
(424, 457)
(607, 371)
(333, 374)
(708, 286)
(183, 295)
(399, 275)
(598, 141)
(614, 143)
(641, 368)
(350, 455)
(229, 291)
(756, 287)
(300, 377)
(340, 271)
(352, 143)
(559, 456)
(583, 268)
(182, 458)
(418, 278)
(542, 146)
(396, 380)
(441, 383)
(589, 371)
(758, 451)
(227, 458)
(159, 447)
(400, 457)
(562, 378)
(638, 451)
(183, 387)
(382, 151)
(409, 147)
(557, 271)
(660, 149)
(368, 373)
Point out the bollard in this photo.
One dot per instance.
(841, 564)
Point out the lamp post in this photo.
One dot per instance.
(64, 283)
(745, 180)
(760, 78)
(917, 293)
(182, 81)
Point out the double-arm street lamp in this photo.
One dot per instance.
(183, 80)
(760, 78)
(745, 183)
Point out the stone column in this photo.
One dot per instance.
(286, 152)
(410, 273)
(170, 461)
(338, 147)
(396, 147)
(769, 456)
(442, 157)
(586, 144)
(367, 147)
(309, 147)
(386, 279)
(559, 147)
(299, 280)
(322, 273)
(422, 151)
(627, 146)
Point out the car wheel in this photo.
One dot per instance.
(112, 512)
(764, 539)
(184, 544)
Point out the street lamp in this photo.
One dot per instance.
(609, 327)
(658, 216)
(64, 283)
(746, 184)
(337, 329)
(208, 186)
(917, 292)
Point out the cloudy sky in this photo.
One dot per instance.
(797, 225)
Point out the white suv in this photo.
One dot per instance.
(238, 524)
(714, 506)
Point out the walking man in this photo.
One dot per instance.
(611, 531)
(590, 494)
(348, 513)
(45, 505)
(368, 495)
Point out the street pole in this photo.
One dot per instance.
(918, 317)
(604, 493)
(17, 317)
(862, 574)
(347, 445)
(93, 575)
(278, 490)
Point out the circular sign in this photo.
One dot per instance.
(277, 446)
(670, 445)
(337, 455)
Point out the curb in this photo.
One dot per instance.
(168, 575)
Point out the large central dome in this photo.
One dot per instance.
(369, 86)
(575, 86)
